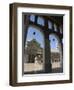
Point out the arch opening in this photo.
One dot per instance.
(34, 50)
(56, 53)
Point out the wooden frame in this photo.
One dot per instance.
(13, 43)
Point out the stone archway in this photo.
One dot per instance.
(46, 32)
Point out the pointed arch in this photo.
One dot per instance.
(56, 51)
(35, 41)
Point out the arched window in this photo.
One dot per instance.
(32, 18)
(55, 27)
(40, 21)
(49, 24)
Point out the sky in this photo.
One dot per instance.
(38, 35)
